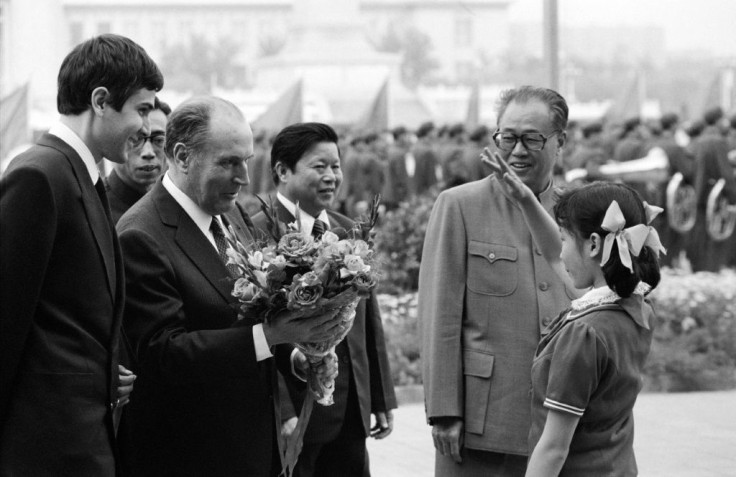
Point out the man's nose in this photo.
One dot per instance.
(241, 174)
(519, 148)
(145, 127)
(329, 175)
(147, 150)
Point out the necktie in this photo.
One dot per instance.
(101, 192)
(221, 243)
(318, 228)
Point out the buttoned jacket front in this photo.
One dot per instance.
(485, 294)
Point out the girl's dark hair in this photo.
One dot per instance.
(581, 212)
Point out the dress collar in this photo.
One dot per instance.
(633, 305)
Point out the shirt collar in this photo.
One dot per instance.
(64, 132)
(202, 219)
(307, 221)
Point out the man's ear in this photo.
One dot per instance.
(181, 156)
(281, 171)
(561, 139)
(596, 244)
(98, 99)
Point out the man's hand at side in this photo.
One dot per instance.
(447, 433)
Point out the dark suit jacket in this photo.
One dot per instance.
(202, 404)
(425, 174)
(61, 298)
(121, 196)
(366, 360)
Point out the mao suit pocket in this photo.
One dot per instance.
(492, 268)
(478, 368)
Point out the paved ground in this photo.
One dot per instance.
(677, 435)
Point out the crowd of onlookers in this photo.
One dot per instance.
(400, 164)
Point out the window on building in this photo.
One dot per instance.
(76, 32)
(463, 31)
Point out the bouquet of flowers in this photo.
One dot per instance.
(291, 270)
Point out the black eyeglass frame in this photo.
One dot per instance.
(523, 140)
(140, 140)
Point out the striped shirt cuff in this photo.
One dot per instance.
(558, 406)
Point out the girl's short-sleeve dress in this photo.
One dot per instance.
(590, 365)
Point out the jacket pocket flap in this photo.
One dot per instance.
(492, 251)
(477, 363)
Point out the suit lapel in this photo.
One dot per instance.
(97, 219)
(192, 242)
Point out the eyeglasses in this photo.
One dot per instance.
(157, 140)
(531, 141)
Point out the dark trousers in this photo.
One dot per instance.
(345, 455)
(478, 463)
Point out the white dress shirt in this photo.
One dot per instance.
(63, 132)
(307, 221)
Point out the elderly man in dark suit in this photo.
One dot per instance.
(204, 400)
(146, 162)
(305, 161)
(486, 295)
(62, 289)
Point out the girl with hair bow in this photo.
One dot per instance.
(588, 365)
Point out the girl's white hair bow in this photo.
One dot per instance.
(630, 240)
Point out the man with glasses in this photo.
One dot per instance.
(130, 181)
(486, 295)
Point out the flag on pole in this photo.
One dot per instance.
(287, 109)
(13, 121)
(376, 118)
(472, 119)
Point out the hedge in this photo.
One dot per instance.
(694, 346)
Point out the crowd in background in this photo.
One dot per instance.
(401, 164)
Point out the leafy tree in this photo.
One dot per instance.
(415, 46)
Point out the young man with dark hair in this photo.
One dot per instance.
(61, 294)
(305, 160)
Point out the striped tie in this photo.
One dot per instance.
(221, 243)
(318, 228)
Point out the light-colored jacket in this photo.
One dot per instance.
(485, 294)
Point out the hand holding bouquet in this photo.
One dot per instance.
(292, 271)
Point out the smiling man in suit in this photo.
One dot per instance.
(305, 162)
(204, 399)
(61, 295)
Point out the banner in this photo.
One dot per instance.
(287, 109)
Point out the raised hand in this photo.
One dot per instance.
(507, 177)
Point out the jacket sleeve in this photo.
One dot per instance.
(159, 330)
(440, 308)
(28, 214)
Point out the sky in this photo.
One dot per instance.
(708, 25)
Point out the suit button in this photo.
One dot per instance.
(492, 256)
(537, 251)
(544, 286)
(546, 320)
